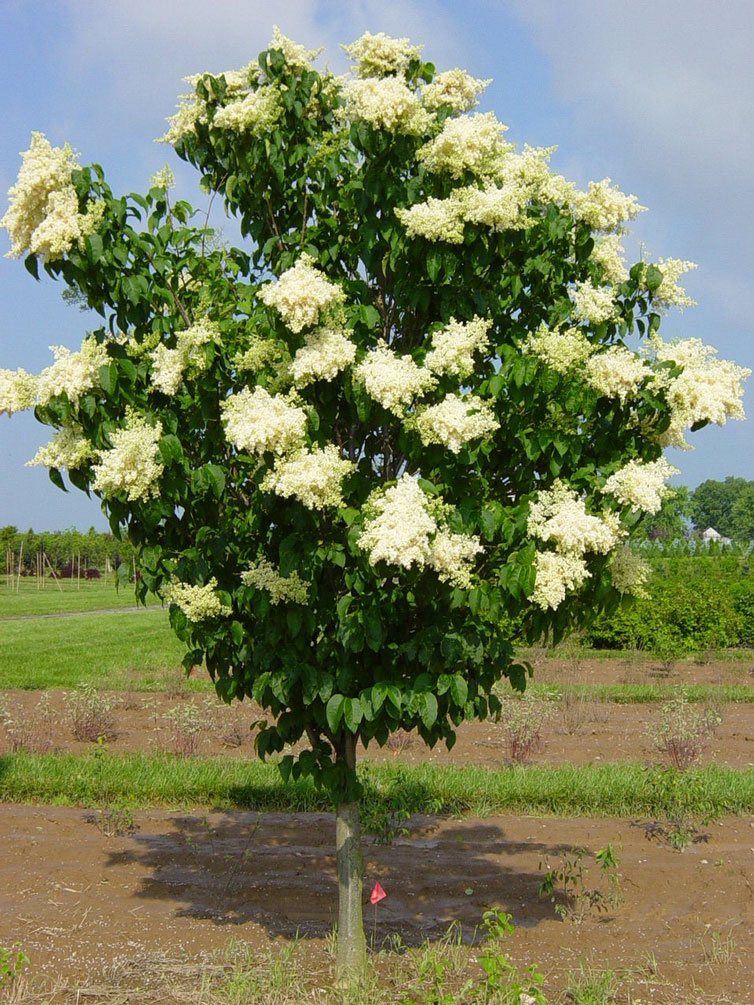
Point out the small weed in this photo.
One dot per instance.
(30, 732)
(114, 822)
(719, 948)
(399, 741)
(686, 804)
(683, 731)
(13, 962)
(592, 986)
(91, 713)
(185, 725)
(566, 885)
(667, 648)
(523, 720)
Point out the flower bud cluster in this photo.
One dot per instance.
(43, 216)
(616, 373)
(258, 421)
(642, 486)
(468, 144)
(301, 295)
(314, 477)
(564, 350)
(403, 530)
(67, 449)
(380, 55)
(18, 391)
(263, 575)
(707, 389)
(131, 466)
(393, 380)
(169, 365)
(628, 572)
(453, 346)
(454, 88)
(198, 603)
(72, 373)
(325, 352)
(593, 303)
(559, 517)
(385, 103)
(455, 421)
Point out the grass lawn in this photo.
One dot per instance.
(93, 595)
(121, 651)
(623, 789)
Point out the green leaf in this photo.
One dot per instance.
(374, 633)
(334, 711)
(352, 713)
(215, 478)
(459, 690)
(170, 448)
(108, 378)
(428, 709)
(237, 632)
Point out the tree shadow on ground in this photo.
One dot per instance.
(278, 870)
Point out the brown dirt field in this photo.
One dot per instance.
(84, 905)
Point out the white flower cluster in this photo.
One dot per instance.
(169, 365)
(708, 389)
(18, 391)
(604, 207)
(191, 110)
(497, 207)
(403, 530)
(197, 602)
(301, 295)
(616, 373)
(164, 178)
(593, 303)
(297, 56)
(256, 113)
(640, 485)
(669, 293)
(258, 353)
(453, 346)
(392, 380)
(564, 350)
(132, 465)
(380, 55)
(43, 214)
(263, 575)
(628, 572)
(471, 143)
(455, 421)
(454, 88)
(314, 477)
(72, 373)
(258, 421)
(386, 103)
(608, 252)
(325, 352)
(558, 516)
(556, 575)
(67, 449)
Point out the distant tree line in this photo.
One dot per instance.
(727, 506)
(63, 548)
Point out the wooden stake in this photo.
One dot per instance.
(57, 582)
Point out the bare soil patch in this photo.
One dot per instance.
(89, 905)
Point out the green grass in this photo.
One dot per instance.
(123, 651)
(94, 595)
(623, 789)
(641, 694)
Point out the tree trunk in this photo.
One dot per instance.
(352, 947)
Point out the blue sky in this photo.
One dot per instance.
(655, 95)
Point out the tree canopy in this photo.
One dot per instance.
(411, 419)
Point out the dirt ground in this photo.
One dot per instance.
(81, 902)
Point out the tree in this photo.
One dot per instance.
(397, 430)
(671, 522)
(724, 506)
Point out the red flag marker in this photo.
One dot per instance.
(377, 894)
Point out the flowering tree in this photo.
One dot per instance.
(411, 421)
